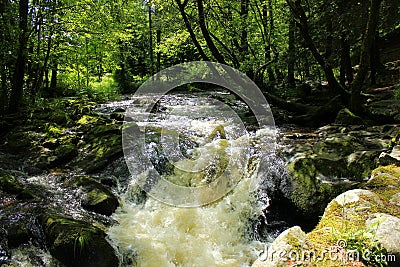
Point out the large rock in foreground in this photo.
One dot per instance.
(77, 244)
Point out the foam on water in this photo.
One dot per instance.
(156, 234)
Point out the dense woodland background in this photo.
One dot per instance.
(99, 49)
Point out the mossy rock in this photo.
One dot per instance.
(11, 185)
(77, 243)
(65, 153)
(21, 140)
(311, 189)
(386, 110)
(336, 147)
(86, 122)
(18, 234)
(96, 197)
(100, 153)
(346, 117)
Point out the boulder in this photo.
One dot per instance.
(290, 247)
(77, 243)
(386, 229)
(17, 234)
(390, 158)
(11, 185)
(333, 160)
(346, 117)
(96, 197)
(102, 144)
(386, 110)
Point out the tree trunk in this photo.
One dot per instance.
(291, 54)
(19, 72)
(158, 37)
(244, 12)
(202, 23)
(374, 58)
(189, 28)
(346, 70)
(356, 85)
(53, 80)
(151, 52)
(302, 23)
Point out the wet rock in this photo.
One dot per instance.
(100, 152)
(346, 117)
(385, 228)
(313, 189)
(21, 140)
(335, 160)
(65, 153)
(17, 234)
(96, 197)
(390, 158)
(77, 243)
(287, 248)
(386, 110)
(11, 185)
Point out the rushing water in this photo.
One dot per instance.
(152, 233)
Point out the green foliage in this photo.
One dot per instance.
(81, 242)
(100, 91)
(397, 91)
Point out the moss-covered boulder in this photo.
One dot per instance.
(11, 185)
(77, 243)
(346, 117)
(103, 145)
(362, 221)
(334, 160)
(96, 197)
(312, 188)
(65, 153)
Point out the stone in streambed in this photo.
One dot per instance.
(96, 197)
(77, 243)
(289, 246)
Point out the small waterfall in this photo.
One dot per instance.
(152, 233)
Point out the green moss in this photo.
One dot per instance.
(390, 169)
(53, 129)
(86, 119)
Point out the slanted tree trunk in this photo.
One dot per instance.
(203, 27)
(182, 6)
(19, 72)
(302, 23)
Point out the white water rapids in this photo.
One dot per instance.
(218, 234)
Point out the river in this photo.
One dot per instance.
(152, 233)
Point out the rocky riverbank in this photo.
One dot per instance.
(47, 199)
